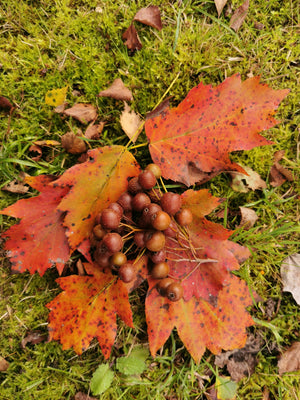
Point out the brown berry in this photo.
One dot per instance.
(148, 212)
(110, 219)
(118, 259)
(117, 208)
(134, 186)
(160, 220)
(140, 201)
(163, 284)
(160, 270)
(147, 180)
(139, 238)
(170, 202)
(172, 230)
(158, 256)
(174, 291)
(184, 217)
(156, 241)
(127, 272)
(99, 232)
(113, 242)
(155, 169)
(125, 201)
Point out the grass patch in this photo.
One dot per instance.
(46, 45)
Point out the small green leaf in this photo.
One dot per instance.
(134, 364)
(226, 388)
(102, 379)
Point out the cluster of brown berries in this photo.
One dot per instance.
(142, 216)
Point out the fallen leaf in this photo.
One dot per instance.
(249, 217)
(159, 109)
(117, 91)
(16, 186)
(226, 389)
(84, 113)
(46, 143)
(220, 4)
(279, 174)
(132, 40)
(88, 308)
(239, 16)
(73, 144)
(61, 108)
(102, 379)
(242, 183)
(5, 104)
(3, 364)
(290, 359)
(56, 97)
(191, 143)
(94, 131)
(35, 150)
(241, 362)
(33, 337)
(149, 16)
(38, 241)
(84, 396)
(131, 123)
(290, 275)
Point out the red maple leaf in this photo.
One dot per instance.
(191, 143)
(88, 308)
(93, 185)
(38, 241)
(200, 324)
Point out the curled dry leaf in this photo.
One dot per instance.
(149, 16)
(131, 123)
(72, 143)
(290, 359)
(290, 274)
(242, 183)
(131, 38)
(84, 113)
(33, 337)
(117, 91)
(3, 364)
(16, 186)
(220, 4)
(5, 104)
(94, 131)
(34, 149)
(46, 143)
(249, 217)
(239, 16)
(279, 174)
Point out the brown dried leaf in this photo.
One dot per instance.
(240, 362)
(278, 173)
(242, 183)
(84, 113)
(249, 217)
(73, 144)
(46, 143)
(117, 91)
(83, 396)
(61, 108)
(131, 123)
(131, 38)
(33, 337)
(16, 186)
(5, 104)
(239, 16)
(94, 131)
(37, 150)
(149, 16)
(3, 364)
(159, 109)
(220, 4)
(290, 359)
(290, 274)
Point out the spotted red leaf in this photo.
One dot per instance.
(93, 185)
(88, 308)
(199, 324)
(191, 143)
(38, 241)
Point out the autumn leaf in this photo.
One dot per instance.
(88, 308)
(191, 143)
(149, 16)
(56, 97)
(38, 241)
(132, 40)
(84, 113)
(199, 324)
(117, 90)
(93, 185)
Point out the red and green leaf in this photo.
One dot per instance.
(87, 308)
(191, 143)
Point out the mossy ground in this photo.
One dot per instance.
(51, 44)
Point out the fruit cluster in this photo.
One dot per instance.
(140, 221)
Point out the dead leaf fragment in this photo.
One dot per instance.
(131, 123)
(242, 183)
(149, 16)
(33, 337)
(84, 396)
(84, 113)
(131, 38)
(46, 143)
(278, 173)
(73, 144)
(159, 109)
(5, 104)
(220, 4)
(290, 274)
(249, 217)
(240, 362)
(117, 91)
(94, 131)
(3, 364)
(16, 186)
(35, 150)
(239, 16)
(290, 359)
